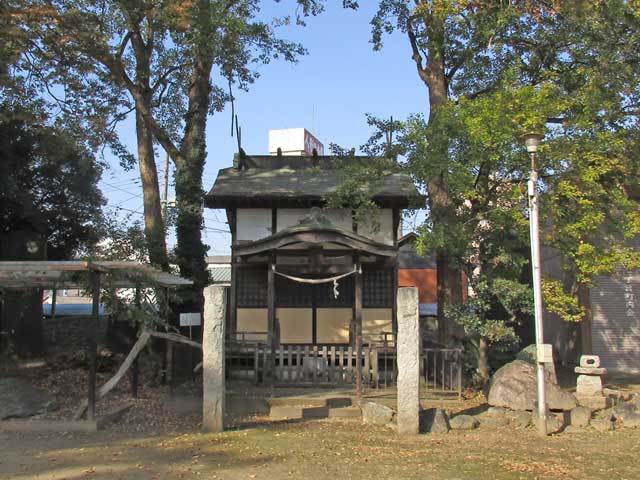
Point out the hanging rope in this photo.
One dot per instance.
(318, 281)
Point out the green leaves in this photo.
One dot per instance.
(557, 301)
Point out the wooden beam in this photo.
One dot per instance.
(316, 237)
(396, 225)
(274, 221)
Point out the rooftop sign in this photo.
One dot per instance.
(294, 141)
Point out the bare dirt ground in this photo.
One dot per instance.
(316, 450)
(151, 442)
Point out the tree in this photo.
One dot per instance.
(459, 49)
(494, 71)
(163, 55)
(48, 184)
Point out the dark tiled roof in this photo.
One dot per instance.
(409, 258)
(273, 179)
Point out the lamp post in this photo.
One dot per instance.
(531, 141)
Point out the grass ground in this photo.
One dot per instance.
(317, 450)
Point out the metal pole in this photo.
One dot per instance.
(537, 293)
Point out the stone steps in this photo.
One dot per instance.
(312, 409)
(344, 413)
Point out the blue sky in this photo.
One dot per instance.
(328, 92)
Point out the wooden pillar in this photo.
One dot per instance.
(358, 320)
(233, 322)
(168, 358)
(54, 299)
(92, 345)
(135, 367)
(271, 315)
(394, 313)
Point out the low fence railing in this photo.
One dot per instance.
(440, 368)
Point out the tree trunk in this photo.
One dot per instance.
(189, 168)
(153, 222)
(483, 361)
(449, 285)
(586, 336)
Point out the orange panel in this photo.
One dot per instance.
(424, 278)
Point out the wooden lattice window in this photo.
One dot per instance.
(377, 287)
(292, 294)
(251, 287)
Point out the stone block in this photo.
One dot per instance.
(408, 359)
(625, 409)
(590, 370)
(580, 416)
(631, 421)
(434, 420)
(590, 361)
(603, 424)
(594, 402)
(555, 423)
(282, 412)
(463, 422)
(377, 414)
(494, 422)
(589, 385)
(345, 412)
(521, 419)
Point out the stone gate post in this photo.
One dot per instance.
(213, 375)
(408, 351)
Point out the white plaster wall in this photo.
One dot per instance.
(253, 223)
(379, 227)
(288, 217)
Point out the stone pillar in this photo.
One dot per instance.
(213, 382)
(408, 351)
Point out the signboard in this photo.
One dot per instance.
(311, 142)
(294, 141)
(190, 319)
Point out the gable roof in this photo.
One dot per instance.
(285, 180)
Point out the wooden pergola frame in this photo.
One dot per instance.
(65, 274)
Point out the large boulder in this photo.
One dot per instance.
(19, 399)
(514, 386)
(529, 354)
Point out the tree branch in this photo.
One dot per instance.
(416, 55)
